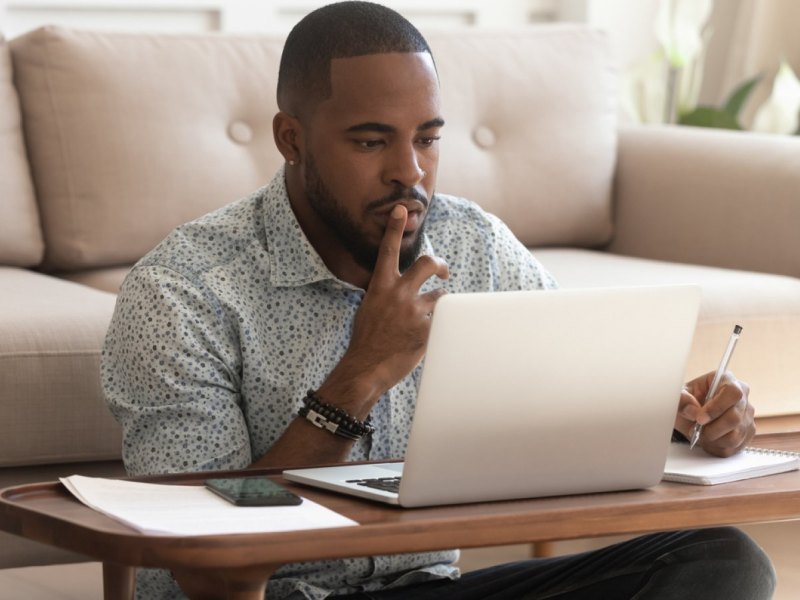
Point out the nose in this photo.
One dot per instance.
(403, 168)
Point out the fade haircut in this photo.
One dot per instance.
(340, 30)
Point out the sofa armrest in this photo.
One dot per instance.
(704, 196)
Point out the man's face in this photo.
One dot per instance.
(371, 145)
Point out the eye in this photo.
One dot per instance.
(428, 141)
(369, 144)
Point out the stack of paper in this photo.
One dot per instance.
(193, 510)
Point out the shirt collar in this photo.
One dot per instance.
(293, 260)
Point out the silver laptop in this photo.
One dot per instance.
(532, 394)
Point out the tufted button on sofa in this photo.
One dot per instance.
(110, 140)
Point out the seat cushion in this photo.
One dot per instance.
(51, 404)
(21, 241)
(108, 279)
(767, 306)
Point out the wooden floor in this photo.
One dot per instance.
(84, 581)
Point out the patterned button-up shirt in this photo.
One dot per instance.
(220, 330)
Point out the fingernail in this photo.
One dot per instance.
(397, 212)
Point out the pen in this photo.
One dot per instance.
(723, 365)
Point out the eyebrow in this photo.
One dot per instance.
(384, 128)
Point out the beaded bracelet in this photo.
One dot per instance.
(334, 419)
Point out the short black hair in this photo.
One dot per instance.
(340, 30)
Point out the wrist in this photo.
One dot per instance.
(354, 387)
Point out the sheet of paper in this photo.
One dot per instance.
(193, 510)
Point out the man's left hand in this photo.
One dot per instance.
(727, 418)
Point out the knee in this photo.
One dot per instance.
(756, 572)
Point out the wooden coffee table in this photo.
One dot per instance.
(47, 512)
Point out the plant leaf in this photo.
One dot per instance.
(708, 116)
(740, 95)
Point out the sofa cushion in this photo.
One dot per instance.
(531, 129)
(108, 279)
(767, 306)
(131, 135)
(51, 405)
(21, 241)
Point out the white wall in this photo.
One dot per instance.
(628, 22)
(18, 16)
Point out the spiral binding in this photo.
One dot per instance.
(772, 452)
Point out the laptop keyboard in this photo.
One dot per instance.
(387, 484)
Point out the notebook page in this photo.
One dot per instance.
(698, 467)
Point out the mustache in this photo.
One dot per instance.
(398, 195)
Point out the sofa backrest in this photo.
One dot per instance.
(21, 243)
(531, 131)
(130, 135)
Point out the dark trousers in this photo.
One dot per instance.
(707, 564)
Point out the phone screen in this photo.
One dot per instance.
(253, 491)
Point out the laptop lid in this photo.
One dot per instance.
(542, 393)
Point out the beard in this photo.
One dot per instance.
(345, 228)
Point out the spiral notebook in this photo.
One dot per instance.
(697, 467)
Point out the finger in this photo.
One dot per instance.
(688, 406)
(688, 409)
(727, 424)
(388, 263)
(729, 394)
(428, 302)
(424, 268)
(699, 386)
(731, 442)
(737, 422)
(430, 299)
(724, 447)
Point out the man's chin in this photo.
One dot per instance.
(409, 249)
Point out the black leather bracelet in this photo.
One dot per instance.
(334, 419)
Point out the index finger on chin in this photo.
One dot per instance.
(388, 262)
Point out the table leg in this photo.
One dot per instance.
(543, 549)
(225, 584)
(246, 588)
(118, 582)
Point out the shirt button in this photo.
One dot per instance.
(484, 137)
(240, 132)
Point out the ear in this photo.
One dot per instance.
(287, 132)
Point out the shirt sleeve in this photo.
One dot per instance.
(170, 376)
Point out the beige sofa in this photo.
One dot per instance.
(108, 141)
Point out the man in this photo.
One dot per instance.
(325, 280)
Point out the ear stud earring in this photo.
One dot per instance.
(291, 163)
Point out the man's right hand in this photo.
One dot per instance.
(389, 338)
(391, 327)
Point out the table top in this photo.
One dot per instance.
(48, 513)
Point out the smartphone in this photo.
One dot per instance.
(253, 491)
